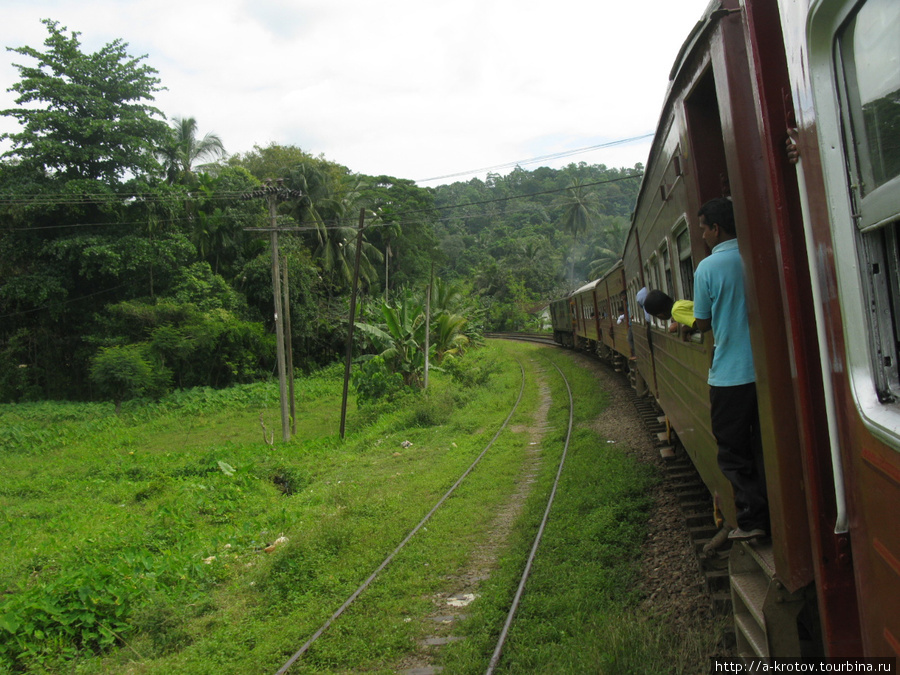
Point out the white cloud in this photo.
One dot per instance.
(404, 87)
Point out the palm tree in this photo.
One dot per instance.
(448, 335)
(580, 207)
(608, 247)
(337, 238)
(184, 150)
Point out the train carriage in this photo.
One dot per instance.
(561, 320)
(610, 293)
(820, 242)
(587, 316)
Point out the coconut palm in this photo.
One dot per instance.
(337, 238)
(184, 150)
(580, 207)
(448, 335)
(608, 247)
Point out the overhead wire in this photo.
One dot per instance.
(309, 225)
(542, 158)
(38, 199)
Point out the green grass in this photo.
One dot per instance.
(134, 543)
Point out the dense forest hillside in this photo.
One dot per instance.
(134, 259)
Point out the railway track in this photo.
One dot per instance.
(539, 338)
(682, 479)
(498, 650)
(709, 541)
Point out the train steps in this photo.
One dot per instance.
(695, 503)
(740, 577)
(765, 613)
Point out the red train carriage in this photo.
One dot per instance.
(820, 241)
(708, 144)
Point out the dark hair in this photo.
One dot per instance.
(658, 302)
(719, 212)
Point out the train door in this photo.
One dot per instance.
(731, 158)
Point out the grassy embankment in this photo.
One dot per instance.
(135, 543)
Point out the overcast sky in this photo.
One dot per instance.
(410, 88)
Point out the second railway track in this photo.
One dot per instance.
(422, 665)
(372, 578)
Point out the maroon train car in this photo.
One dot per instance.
(819, 233)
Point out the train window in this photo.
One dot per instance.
(637, 316)
(685, 263)
(654, 272)
(869, 60)
(666, 268)
(882, 251)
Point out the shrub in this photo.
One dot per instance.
(374, 381)
(84, 610)
(432, 409)
(472, 370)
(125, 372)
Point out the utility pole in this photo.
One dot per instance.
(288, 344)
(362, 221)
(428, 323)
(273, 194)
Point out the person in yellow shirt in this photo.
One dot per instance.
(665, 308)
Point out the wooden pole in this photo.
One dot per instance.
(428, 323)
(288, 345)
(362, 220)
(279, 323)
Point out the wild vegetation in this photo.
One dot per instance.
(172, 538)
(131, 263)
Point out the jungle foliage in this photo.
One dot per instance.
(131, 262)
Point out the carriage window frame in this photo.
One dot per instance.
(685, 259)
(875, 204)
(665, 268)
(876, 209)
(635, 312)
(653, 266)
(852, 224)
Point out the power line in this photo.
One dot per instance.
(60, 303)
(558, 155)
(311, 226)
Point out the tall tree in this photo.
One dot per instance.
(608, 245)
(84, 116)
(183, 149)
(580, 209)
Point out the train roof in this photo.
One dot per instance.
(587, 287)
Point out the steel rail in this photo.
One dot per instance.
(498, 650)
(409, 536)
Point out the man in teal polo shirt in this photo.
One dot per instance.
(720, 305)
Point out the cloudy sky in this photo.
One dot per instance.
(416, 89)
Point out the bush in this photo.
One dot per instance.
(84, 610)
(472, 370)
(374, 381)
(126, 372)
(432, 409)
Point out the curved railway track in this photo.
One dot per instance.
(497, 653)
(709, 541)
